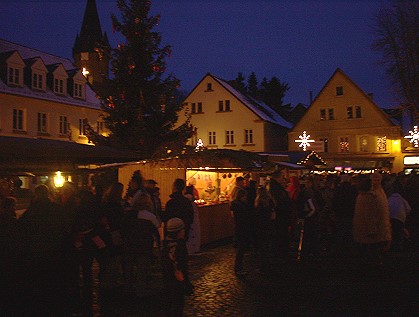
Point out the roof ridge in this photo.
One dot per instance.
(35, 50)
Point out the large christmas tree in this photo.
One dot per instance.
(141, 105)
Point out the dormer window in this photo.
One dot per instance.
(59, 86)
(76, 84)
(78, 90)
(57, 79)
(36, 74)
(37, 81)
(13, 76)
(14, 69)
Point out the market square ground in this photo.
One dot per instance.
(322, 286)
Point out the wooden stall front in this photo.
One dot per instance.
(213, 178)
(216, 222)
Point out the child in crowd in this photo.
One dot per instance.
(175, 268)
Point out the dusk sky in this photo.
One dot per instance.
(301, 42)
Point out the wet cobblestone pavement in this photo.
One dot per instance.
(322, 286)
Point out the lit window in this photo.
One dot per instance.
(344, 144)
(248, 136)
(229, 137)
(82, 126)
(363, 144)
(84, 56)
(382, 144)
(18, 120)
(339, 90)
(63, 125)
(322, 114)
(42, 122)
(212, 138)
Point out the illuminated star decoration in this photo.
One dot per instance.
(199, 146)
(304, 140)
(414, 136)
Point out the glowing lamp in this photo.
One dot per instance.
(85, 72)
(59, 180)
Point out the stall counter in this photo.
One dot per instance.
(216, 222)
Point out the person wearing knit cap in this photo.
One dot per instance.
(175, 268)
(174, 225)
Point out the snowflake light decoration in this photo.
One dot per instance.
(304, 140)
(414, 136)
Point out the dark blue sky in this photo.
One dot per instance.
(301, 42)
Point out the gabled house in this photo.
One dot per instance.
(348, 128)
(224, 118)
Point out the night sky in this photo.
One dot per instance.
(301, 42)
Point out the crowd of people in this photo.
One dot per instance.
(322, 215)
(48, 252)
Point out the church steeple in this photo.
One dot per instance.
(91, 33)
(88, 47)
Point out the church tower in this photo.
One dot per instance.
(89, 46)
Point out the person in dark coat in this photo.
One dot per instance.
(42, 229)
(179, 206)
(241, 213)
(308, 209)
(151, 188)
(264, 205)
(283, 210)
(344, 206)
(138, 236)
(11, 254)
(89, 243)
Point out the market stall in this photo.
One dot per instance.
(213, 173)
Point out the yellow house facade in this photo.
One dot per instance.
(350, 132)
(224, 118)
(44, 96)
